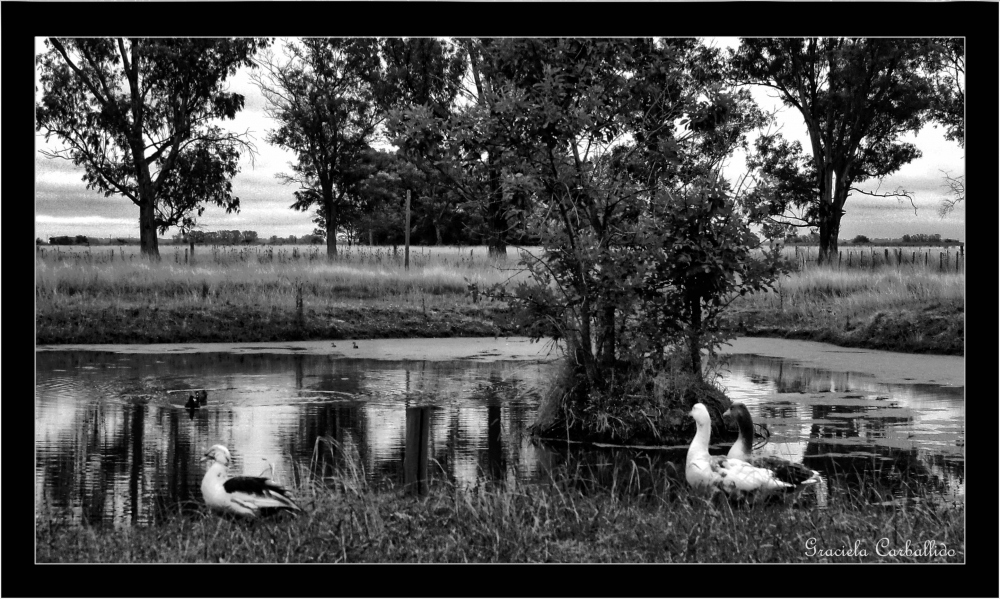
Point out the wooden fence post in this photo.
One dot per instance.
(406, 255)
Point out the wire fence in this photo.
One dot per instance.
(937, 258)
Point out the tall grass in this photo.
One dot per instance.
(835, 298)
(907, 309)
(635, 512)
(241, 275)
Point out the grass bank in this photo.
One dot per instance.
(238, 295)
(905, 310)
(638, 518)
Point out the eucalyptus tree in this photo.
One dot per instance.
(858, 97)
(139, 115)
(321, 94)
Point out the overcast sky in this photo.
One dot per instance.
(64, 206)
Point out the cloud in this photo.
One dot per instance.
(48, 219)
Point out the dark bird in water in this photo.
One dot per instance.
(355, 345)
(784, 470)
(241, 495)
(333, 344)
(192, 403)
(202, 397)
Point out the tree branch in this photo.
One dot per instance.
(898, 193)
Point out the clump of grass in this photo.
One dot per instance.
(635, 407)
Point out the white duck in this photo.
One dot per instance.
(241, 495)
(790, 472)
(705, 471)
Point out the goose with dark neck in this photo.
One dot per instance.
(789, 472)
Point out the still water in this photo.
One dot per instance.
(114, 443)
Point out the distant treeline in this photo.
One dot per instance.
(235, 237)
(921, 239)
(379, 234)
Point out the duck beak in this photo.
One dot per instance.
(208, 456)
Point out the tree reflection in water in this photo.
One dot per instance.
(104, 456)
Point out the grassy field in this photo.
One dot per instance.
(265, 293)
(900, 309)
(641, 516)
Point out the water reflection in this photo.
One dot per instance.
(854, 429)
(114, 442)
(415, 458)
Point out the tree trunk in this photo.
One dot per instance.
(148, 243)
(694, 334)
(331, 226)
(606, 356)
(585, 353)
(830, 215)
(331, 240)
(829, 231)
(495, 220)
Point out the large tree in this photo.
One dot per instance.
(320, 92)
(423, 74)
(463, 144)
(857, 97)
(613, 140)
(137, 114)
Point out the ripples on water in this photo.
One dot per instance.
(114, 442)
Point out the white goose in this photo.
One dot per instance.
(241, 495)
(790, 472)
(705, 471)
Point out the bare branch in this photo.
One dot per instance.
(956, 188)
(898, 193)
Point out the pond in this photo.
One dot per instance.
(114, 443)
